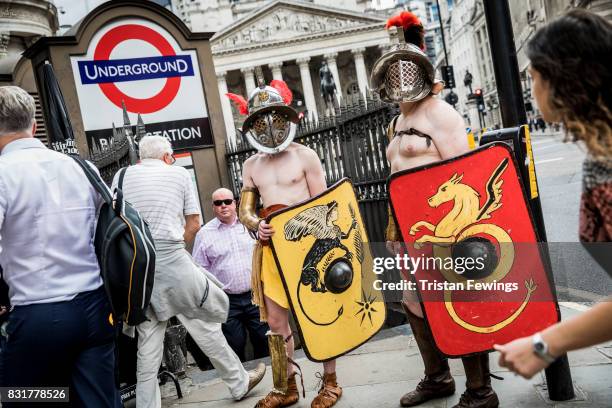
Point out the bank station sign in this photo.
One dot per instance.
(138, 63)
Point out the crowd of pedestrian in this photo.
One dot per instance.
(57, 331)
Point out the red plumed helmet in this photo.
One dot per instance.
(283, 89)
(240, 102)
(413, 28)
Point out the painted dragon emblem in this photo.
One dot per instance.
(463, 222)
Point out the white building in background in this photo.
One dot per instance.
(468, 49)
(290, 40)
(427, 11)
(214, 15)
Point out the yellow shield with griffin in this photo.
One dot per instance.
(322, 252)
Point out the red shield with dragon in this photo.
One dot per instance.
(473, 207)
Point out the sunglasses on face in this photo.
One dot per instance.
(219, 203)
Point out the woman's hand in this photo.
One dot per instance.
(518, 356)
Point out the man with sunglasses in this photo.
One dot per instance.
(225, 248)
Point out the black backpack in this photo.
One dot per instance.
(125, 251)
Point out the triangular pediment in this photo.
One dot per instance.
(283, 20)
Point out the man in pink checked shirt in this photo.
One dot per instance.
(225, 248)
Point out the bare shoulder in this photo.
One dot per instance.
(304, 151)
(249, 169)
(309, 157)
(438, 110)
(251, 161)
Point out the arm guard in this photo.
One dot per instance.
(247, 213)
(392, 233)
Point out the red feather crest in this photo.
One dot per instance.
(405, 19)
(240, 102)
(283, 89)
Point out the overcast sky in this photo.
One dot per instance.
(71, 11)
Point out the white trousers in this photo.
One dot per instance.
(208, 337)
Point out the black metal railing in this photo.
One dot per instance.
(351, 143)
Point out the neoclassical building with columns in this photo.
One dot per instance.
(289, 40)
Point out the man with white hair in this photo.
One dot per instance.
(225, 248)
(59, 333)
(164, 196)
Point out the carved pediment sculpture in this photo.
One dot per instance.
(283, 23)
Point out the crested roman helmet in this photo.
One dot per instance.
(404, 73)
(271, 123)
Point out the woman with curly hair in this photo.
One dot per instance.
(570, 66)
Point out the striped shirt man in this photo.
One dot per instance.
(174, 197)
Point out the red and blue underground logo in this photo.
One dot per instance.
(106, 72)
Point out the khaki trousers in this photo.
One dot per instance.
(209, 338)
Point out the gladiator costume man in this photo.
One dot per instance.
(428, 130)
(282, 174)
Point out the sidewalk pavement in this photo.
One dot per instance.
(378, 373)
(546, 133)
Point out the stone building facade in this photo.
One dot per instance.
(215, 15)
(289, 40)
(22, 22)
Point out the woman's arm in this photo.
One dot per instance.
(587, 329)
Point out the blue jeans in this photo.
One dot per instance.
(63, 344)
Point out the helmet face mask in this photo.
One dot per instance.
(271, 132)
(403, 74)
(271, 125)
(405, 81)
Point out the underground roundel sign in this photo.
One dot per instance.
(137, 63)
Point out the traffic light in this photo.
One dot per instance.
(448, 76)
(479, 99)
(451, 98)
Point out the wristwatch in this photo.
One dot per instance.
(540, 348)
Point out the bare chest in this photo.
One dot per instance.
(412, 137)
(272, 172)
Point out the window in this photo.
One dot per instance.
(434, 13)
(352, 89)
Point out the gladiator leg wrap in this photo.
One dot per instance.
(247, 213)
(278, 357)
(392, 233)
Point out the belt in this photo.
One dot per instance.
(247, 293)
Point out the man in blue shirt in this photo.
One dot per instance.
(59, 333)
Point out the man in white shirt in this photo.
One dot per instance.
(164, 196)
(225, 248)
(59, 333)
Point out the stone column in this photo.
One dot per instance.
(249, 80)
(362, 76)
(309, 97)
(5, 37)
(276, 68)
(226, 107)
(331, 63)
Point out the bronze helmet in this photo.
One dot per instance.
(271, 124)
